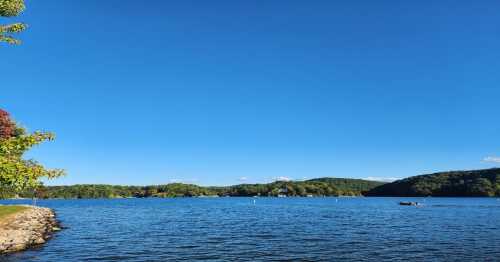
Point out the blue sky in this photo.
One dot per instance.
(224, 92)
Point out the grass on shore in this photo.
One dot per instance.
(8, 210)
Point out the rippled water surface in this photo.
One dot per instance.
(272, 229)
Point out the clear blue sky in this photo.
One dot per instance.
(211, 92)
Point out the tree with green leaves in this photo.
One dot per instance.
(16, 173)
(11, 8)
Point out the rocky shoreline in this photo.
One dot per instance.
(28, 228)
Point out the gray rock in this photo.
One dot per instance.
(26, 229)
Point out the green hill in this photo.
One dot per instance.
(477, 183)
(314, 187)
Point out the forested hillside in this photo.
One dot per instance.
(477, 183)
(314, 187)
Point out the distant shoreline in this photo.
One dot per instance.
(473, 183)
(309, 188)
(265, 197)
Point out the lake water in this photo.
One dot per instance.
(272, 229)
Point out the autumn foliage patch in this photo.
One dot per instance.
(7, 126)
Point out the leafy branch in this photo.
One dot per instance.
(11, 8)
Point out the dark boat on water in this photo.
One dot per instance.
(409, 204)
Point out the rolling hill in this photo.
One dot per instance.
(473, 183)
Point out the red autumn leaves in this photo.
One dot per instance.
(7, 126)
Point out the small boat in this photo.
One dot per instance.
(409, 203)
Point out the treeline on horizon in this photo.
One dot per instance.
(314, 187)
(474, 183)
